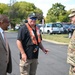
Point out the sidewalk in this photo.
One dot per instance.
(55, 42)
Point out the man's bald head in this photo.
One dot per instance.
(4, 21)
(3, 18)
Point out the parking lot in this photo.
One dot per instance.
(54, 63)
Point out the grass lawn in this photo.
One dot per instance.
(12, 30)
(57, 37)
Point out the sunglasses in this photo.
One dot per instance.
(33, 18)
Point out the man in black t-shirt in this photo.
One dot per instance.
(29, 42)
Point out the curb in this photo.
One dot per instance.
(55, 42)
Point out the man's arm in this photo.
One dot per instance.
(42, 48)
(20, 47)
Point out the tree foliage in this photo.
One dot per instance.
(22, 9)
(19, 11)
(4, 8)
(56, 12)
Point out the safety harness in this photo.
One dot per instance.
(33, 37)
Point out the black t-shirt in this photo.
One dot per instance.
(24, 37)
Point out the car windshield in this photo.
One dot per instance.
(48, 25)
(57, 25)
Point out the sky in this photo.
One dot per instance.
(45, 5)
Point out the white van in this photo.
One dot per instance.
(52, 28)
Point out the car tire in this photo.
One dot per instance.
(48, 32)
(41, 32)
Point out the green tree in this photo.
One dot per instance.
(4, 8)
(22, 9)
(54, 12)
(63, 18)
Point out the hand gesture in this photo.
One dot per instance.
(45, 51)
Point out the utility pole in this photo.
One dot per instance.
(43, 23)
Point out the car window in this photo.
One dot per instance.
(59, 25)
(65, 25)
(54, 25)
(48, 25)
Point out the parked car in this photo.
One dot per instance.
(38, 25)
(71, 28)
(52, 28)
(9, 27)
(65, 28)
(17, 27)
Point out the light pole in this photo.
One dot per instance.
(43, 23)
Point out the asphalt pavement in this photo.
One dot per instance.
(53, 63)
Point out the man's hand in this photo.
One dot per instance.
(45, 51)
(24, 57)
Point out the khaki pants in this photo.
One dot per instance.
(71, 72)
(29, 67)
